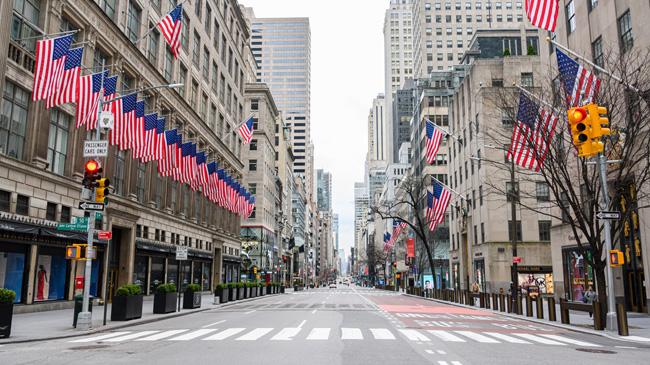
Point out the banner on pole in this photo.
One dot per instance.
(410, 247)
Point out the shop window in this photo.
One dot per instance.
(207, 275)
(140, 267)
(157, 272)
(13, 120)
(22, 205)
(66, 214)
(50, 212)
(172, 272)
(12, 270)
(57, 145)
(579, 274)
(196, 272)
(51, 275)
(5, 201)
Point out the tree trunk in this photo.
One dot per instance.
(430, 258)
(601, 285)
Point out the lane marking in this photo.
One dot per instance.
(456, 363)
(570, 340)
(414, 335)
(351, 334)
(131, 336)
(507, 338)
(382, 334)
(224, 334)
(254, 334)
(440, 352)
(286, 334)
(319, 334)
(249, 312)
(534, 338)
(626, 347)
(442, 362)
(212, 324)
(314, 311)
(193, 335)
(446, 336)
(431, 352)
(102, 337)
(302, 323)
(161, 335)
(477, 337)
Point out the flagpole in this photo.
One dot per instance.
(447, 187)
(535, 97)
(156, 25)
(611, 75)
(446, 132)
(47, 35)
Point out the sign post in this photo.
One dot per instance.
(605, 215)
(181, 256)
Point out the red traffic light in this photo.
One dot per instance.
(92, 166)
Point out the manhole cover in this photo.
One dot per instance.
(597, 351)
(89, 347)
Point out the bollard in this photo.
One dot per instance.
(564, 312)
(621, 318)
(599, 321)
(502, 303)
(551, 309)
(519, 310)
(495, 303)
(529, 306)
(509, 299)
(540, 307)
(487, 300)
(481, 300)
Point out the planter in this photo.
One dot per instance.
(282, 289)
(261, 291)
(6, 314)
(191, 299)
(254, 292)
(232, 294)
(222, 294)
(126, 307)
(164, 303)
(268, 290)
(241, 293)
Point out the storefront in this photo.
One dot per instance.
(455, 271)
(479, 273)
(231, 269)
(536, 280)
(578, 274)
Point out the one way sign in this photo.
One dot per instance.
(91, 206)
(608, 215)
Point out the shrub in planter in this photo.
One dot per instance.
(232, 291)
(192, 297)
(241, 291)
(261, 289)
(221, 291)
(127, 303)
(164, 301)
(254, 290)
(7, 298)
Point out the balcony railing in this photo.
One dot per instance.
(21, 56)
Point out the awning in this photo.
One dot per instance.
(229, 258)
(154, 246)
(198, 253)
(80, 237)
(8, 226)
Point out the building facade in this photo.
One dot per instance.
(41, 162)
(324, 190)
(361, 205)
(402, 112)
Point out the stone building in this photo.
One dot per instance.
(41, 162)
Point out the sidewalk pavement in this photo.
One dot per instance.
(49, 325)
(638, 323)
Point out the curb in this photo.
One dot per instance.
(134, 323)
(535, 320)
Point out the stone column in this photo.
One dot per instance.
(6, 7)
(31, 273)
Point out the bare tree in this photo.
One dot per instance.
(574, 182)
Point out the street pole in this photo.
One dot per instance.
(106, 279)
(604, 205)
(514, 291)
(179, 272)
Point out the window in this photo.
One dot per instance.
(140, 181)
(625, 32)
(157, 190)
(591, 4)
(518, 238)
(197, 8)
(570, 16)
(482, 232)
(169, 65)
(13, 120)
(542, 192)
(66, 214)
(5, 201)
(544, 230)
(497, 82)
(154, 40)
(118, 172)
(182, 79)
(255, 104)
(480, 195)
(511, 193)
(252, 188)
(475, 235)
(597, 51)
(507, 117)
(208, 18)
(253, 145)
(108, 6)
(57, 144)
(527, 79)
(22, 205)
(50, 211)
(185, 32)
(194, 94)
(565, 207)
(25, 22)
(206, 64)
(133, 22)
(252, 165)
(196, 50)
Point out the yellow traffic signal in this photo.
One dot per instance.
(597, 122)
(579, 119)
(73, 252)
(101, 191)
(616, 258)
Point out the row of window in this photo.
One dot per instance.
(477, 5)
(142, 231)
(468, 19)
(543, 228)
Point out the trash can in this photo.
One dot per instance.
(78, 304)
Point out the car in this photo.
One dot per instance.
(333, 285)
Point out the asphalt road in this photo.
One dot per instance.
(334, 326)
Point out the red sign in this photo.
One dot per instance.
(104, 235)
(410, 247)
(79, 282)
(516, 260)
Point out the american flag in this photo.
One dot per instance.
(110, 91)
(177, 171)
(88, 101)
(128, 120)
(434, 137)
(437, 203)
(387, 240)
(532, 134)
(123, 110)
(49, 65)
(159, 149)
(209, 192)
(137, 144)
(202, 170)
(66, 90)
(168, 161)
(246, 130)
(542, 13)
(398, 226)
(221, 187)
(251, 206)
(580, 85)
(171, 26)
(150, 142)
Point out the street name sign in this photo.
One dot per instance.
(95, 148)
(516, 260)
(604, 215)
(104, 235)
(91, 206)
(76, 224)
(181, 253)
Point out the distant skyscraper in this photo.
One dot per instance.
(377, 133)
(324, 190)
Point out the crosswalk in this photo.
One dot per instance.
(347, 292)
(343, 334)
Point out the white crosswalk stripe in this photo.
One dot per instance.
(254, 334)
(351, 334)
(414, 335)
(507, 338)
(382, 334)
(102, 337)
(538, 339)
(131, 336)
(319, 334)
(162, 335)
(224, 334)
(286, 334)
(571, 341)
(477, 337)
(446, 336)
(193, 335)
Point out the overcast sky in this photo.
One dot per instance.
(347, 68)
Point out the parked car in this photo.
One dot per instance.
(333, 285)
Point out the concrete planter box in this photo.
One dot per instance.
(164, 303)
(241, 293)
(6, 315)
(222, 294)
(126, 308)
(191, 299)
(232, 294)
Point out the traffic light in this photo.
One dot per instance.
(73, 252)
(597, 122)
(91, 174)
(101, 190)
(616, 258)
(580, 129)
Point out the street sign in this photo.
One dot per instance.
(516, 260)
(104, 235)
(77, 224)
(181, 253)
(95, 148)
(91, 206)
(79, 220)
(106, 120)
(603, 215)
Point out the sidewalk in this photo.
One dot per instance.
(57, 324)
(638, 323)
